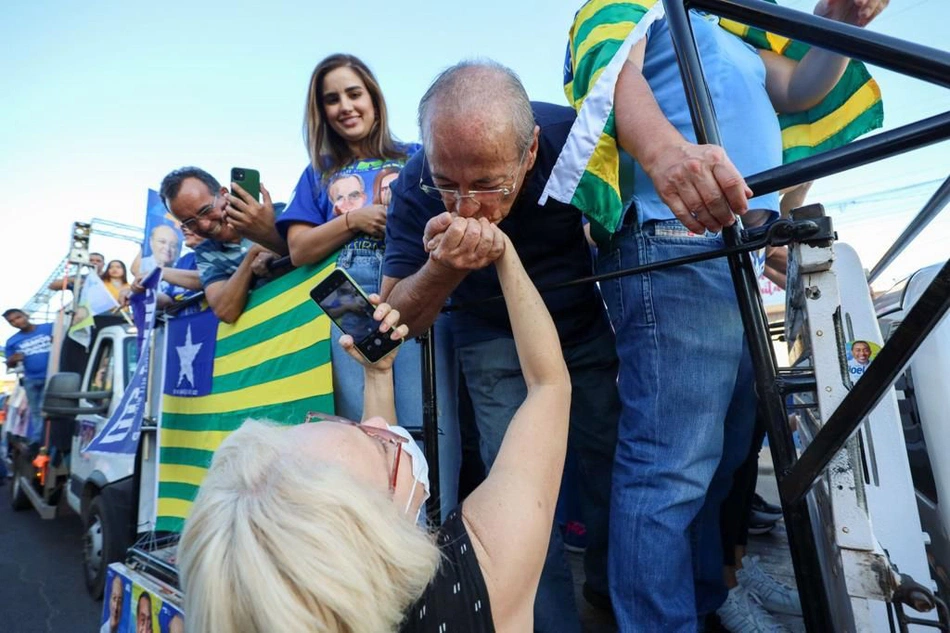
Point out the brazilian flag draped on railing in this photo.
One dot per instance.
(590, 172)
(273, 362)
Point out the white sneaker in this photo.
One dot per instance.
(742, 613)
(774, 595)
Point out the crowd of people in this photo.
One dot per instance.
(646, 380)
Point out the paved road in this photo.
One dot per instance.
(41, 583)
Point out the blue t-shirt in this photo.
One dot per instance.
(735, 73)
(35, 348)
(318, 198)
(549, 239)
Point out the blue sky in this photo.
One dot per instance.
(101, 99)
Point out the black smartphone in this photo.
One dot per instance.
(249, 179)
(346, 304)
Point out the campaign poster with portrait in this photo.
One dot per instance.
(170, 619)
(163, 237)
(146, 610)
(860, 353)
(116, 601)
(364, 183)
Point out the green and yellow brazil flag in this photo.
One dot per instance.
(594, 175)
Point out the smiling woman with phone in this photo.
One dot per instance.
(314, 527)
(346, 130)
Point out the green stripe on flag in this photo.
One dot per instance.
(174, 490)
(293, 412)
(186, 456)
(292, 318)
(272, 369)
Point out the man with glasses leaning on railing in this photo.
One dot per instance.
(228, 260)
(488, 153)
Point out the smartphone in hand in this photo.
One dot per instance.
(249, 179)
(341, 298)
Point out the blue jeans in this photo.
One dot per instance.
(688, 412)
(365, 267)
(34, 395)
(497, 388)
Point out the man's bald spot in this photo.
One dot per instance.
(477, 99)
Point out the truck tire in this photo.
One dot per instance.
(18, 499)
(100, 546)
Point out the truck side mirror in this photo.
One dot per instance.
(62, 396)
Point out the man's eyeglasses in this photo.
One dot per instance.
(191, 223)
(383, 436)
(453, 197)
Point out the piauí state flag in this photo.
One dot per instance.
(273, 363)
(589, 172)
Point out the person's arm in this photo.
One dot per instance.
(509, 515)
(796, 86)
(227, 298)
(312, 243)
(188, 279)
(136, 264)
(11, 357)
(776, 265)
(794, 198)
(698, 183)
(379, 398)
(61, 284)
(455, 246)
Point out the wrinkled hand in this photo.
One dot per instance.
(700, 185)
(259, 257)
(463, 243)
(370, 219)
(389, 322)
(856, 12)
(252, 219)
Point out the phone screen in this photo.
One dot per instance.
(346, 305)
(350, 311)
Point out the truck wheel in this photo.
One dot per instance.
(18, 499)
(99, 546)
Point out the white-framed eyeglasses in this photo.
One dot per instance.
(191, 223)
(453, 197)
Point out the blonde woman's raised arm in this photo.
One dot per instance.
(510, 515)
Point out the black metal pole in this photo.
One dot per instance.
(934, 206)
(907, 58)
(867, 392)
(430, 425)
(816, 609)
(856, 153)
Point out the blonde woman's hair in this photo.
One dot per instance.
(328, 151)
(277, 541)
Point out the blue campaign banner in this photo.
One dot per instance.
(189, 356)
(143, 310)
(163, 237)
(120, 434)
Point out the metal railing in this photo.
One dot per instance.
(796, 476)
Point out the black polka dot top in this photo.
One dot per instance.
(456, 600)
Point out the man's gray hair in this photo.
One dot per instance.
(478, 85)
